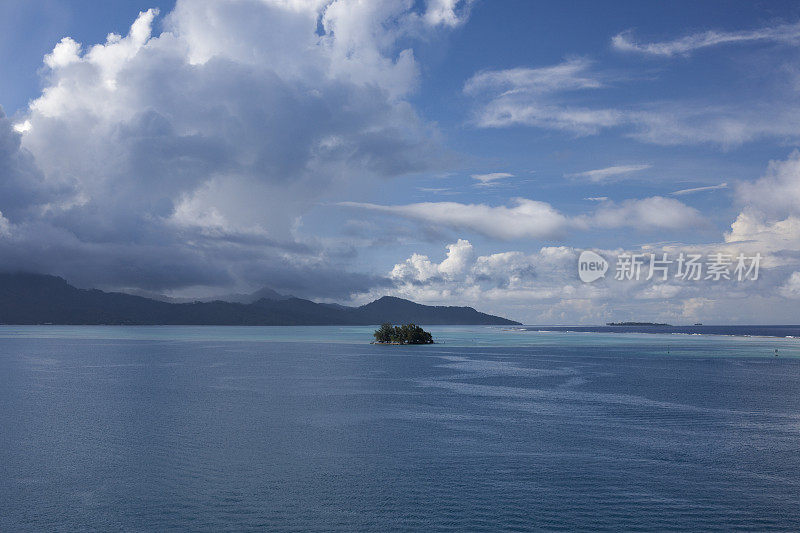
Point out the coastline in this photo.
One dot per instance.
(758, 331)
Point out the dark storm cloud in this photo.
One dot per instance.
(22, 183)
(187, 158)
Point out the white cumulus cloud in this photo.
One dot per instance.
(186, 157)
(778, 191)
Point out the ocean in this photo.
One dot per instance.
(314, 429)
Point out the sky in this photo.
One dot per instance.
(447, 151)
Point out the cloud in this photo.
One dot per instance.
(458, 256)
(784, 33)
(543, 288)
(187, 157)
(791, 289)
(528, 96)
(526, 218)
(504, 112)
(22, 127)
(68, 51)
(652, 213)
(778, 191)
(754, 228)
(604, 174)
(563, 98)
(489, 180)
(434, 190)
(525, 286)
(419, 268)
(572, 74)
(447, 12)
(700, 189)
(24, 189)
(507, 276)
(770, 218)
(692, 123)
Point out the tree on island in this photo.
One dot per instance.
(407, 334)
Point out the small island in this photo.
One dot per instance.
(407, 334)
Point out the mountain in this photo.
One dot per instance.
(40, 299)
(400, 311)
(261, 294)
(238, 298)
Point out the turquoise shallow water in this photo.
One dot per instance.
(210, 429)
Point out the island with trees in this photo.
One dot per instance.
(407, 334)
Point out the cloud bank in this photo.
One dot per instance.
(542, 287)
(185, 157)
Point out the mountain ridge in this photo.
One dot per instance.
(27, 299)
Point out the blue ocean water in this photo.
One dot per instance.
(748, 331)
(213, 429)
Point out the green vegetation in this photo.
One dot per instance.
(407, 334)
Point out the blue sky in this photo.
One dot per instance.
(338, 150)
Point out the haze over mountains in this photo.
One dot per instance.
(237, 298)
(41, 299)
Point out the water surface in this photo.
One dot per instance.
(210, 429)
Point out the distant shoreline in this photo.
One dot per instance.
(770, 331)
